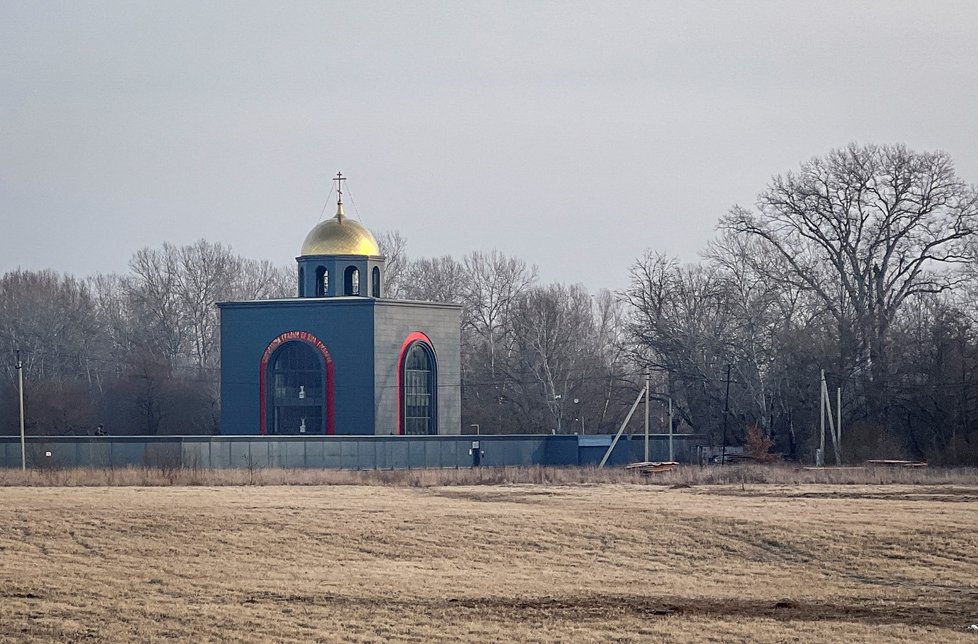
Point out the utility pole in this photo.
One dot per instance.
(834, 428)
(820, 461)
(621, 429)
(646, 416)
(838, 424)
(672, 456)
(20, 385)
(560, 411)
(726, 412)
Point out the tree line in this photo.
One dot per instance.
(861, 263)
(125, 354)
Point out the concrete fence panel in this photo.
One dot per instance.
(335, 452)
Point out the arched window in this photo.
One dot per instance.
(351, 281)
(302, 281)
(375, 279)
(322, 282)
(419, 385)
(295, 390)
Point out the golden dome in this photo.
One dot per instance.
(340, 236)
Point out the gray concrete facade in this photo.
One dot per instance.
(394, 322)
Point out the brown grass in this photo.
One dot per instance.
(601, 562)
(687, 475)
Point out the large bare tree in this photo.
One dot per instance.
(493, 282)
(681, 322)
(553, 329)
(864, 229)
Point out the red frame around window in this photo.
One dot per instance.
(315, 343)
(414, 336)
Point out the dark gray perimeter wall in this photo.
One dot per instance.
(335, 452)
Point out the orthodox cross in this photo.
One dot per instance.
(339, 188)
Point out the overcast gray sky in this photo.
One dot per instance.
(573, 135)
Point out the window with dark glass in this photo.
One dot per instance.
(375, 278)
(419, 390)
(302, 282)
(296, 390)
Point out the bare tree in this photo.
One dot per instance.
(153, 292)
(611, 346)
(552, 329)
(394, 248)
(435, 279)
(51, 320)
(864, 229)
(260, 280)
(206, 272)
(680, 323)
(492, 284)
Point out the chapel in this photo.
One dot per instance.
(340, 357)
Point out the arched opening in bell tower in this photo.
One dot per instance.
(322, 281)
(351, 281)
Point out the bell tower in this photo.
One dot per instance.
(340, 258)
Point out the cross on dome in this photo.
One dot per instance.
(339, 179)
(339, 235)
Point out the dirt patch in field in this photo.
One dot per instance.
(945, 494)
(507, 494)
(946, 611)
(945, 614)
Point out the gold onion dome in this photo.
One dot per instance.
(340, 236)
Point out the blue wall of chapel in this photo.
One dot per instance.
(344, 326)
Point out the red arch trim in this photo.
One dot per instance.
(315, 343)
(414, 336)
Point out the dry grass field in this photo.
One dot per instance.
(569, 562)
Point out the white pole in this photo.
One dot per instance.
(838, 424)
(20, 384)
(646, 416)
(821, 408)
(672, 456)
(614, 442)
(832, 430)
